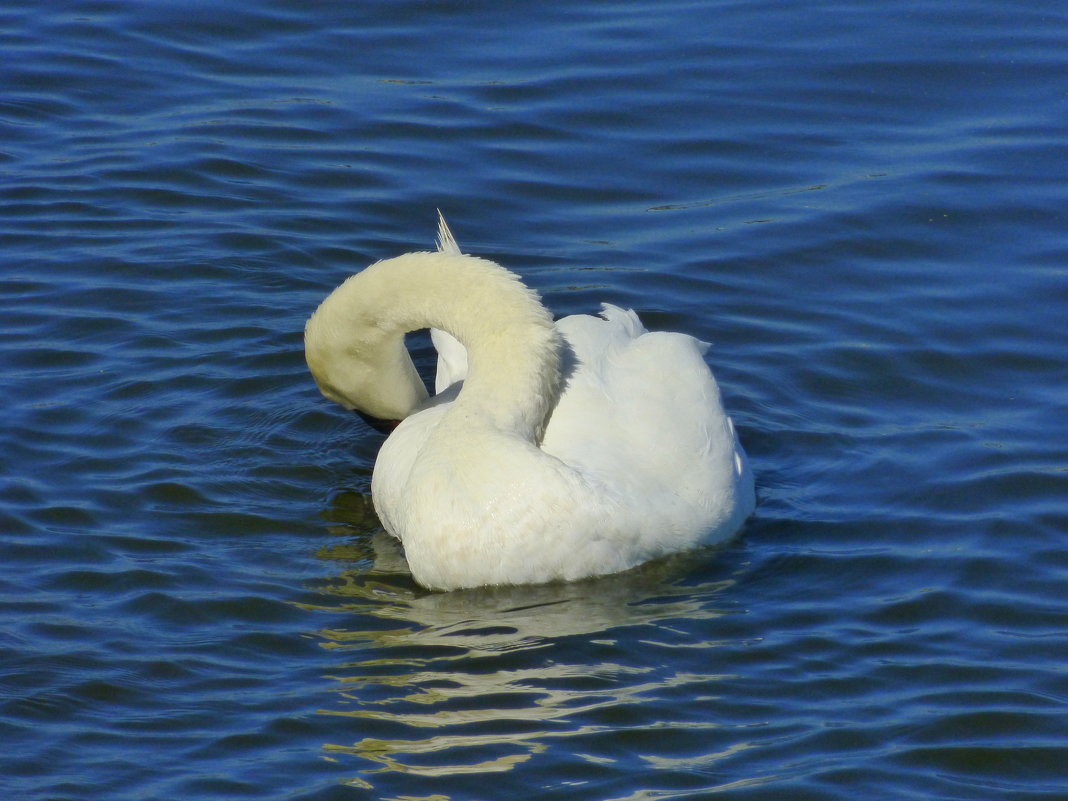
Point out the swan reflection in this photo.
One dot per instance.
(482, 680)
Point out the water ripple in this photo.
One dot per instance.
(861, 209)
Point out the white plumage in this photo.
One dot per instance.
(571, 449)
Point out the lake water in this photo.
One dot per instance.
(862, 205)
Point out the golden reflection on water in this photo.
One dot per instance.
(481, 681)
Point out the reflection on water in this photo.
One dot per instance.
(435, 685)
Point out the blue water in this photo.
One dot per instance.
(863, 206)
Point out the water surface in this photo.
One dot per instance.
(861, 205)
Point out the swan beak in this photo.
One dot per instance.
(378, 424)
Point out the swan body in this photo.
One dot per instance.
(549, 451)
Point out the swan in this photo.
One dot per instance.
(550, 451)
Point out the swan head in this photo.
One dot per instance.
(359, 363)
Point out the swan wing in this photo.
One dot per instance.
(446, 241)
(641, 412)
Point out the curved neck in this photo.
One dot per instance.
(513, 349)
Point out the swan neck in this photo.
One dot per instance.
(513, 349)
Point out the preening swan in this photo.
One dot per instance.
(550, 451)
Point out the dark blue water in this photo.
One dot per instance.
(864, 206)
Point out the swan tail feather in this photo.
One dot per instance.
(446, 241)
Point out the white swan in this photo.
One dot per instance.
(558, 452)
